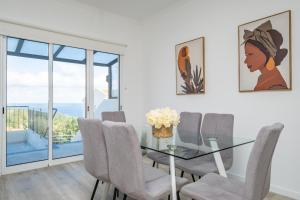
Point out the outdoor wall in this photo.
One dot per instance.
(16, 136)
(218, 21)
(79, 19)
(35, 140)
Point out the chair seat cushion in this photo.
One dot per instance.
(215, 187)
(161, 187)
(199, 166)
(158, 182)
(228, 184)
(159, 157)
(151, 173)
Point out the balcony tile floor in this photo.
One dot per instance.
(23, 152)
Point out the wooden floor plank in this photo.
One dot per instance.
(62, 182)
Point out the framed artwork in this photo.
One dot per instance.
(265, 54)
(190, 67)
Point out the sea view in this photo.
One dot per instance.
(72, 109)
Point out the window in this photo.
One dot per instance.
(69, 99)
(28, 100)
(106, 82)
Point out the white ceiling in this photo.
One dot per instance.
(136, 9)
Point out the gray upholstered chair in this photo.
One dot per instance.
(188, 131)
(94, 150)
(258, 174)
(115, 116)
(126, 169)
(219, 126)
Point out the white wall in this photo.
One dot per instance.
(217, 21)
(78, 19)
(149, 66)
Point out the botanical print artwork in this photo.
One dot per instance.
(264, 62)
(190, 67)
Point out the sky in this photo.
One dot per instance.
(27, 81)
(27, 78)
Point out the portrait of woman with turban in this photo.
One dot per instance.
(264, 53)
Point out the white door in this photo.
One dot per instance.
(1, 102)
(44, 89)
(26, 104)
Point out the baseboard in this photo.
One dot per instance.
(285, 192)
(274, 188)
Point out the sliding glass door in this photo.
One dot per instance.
(27, 101)
(69, 99)
(47, 87)
(106, 82)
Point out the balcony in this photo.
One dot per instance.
(27, 135)
(27, 130)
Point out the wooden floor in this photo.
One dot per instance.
(63, 182)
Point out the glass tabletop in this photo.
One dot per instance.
(186, 145)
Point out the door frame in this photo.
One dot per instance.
(1, 102)
(38, 164)
(21, 167)
(3, 94)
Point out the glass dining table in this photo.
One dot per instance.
(174, 147)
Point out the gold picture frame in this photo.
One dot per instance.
(190, 67)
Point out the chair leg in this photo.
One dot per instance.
(118, 192)
(125, 197)
(193, 177)
(153, 165)
(199, 177)
(95, 189)
(115, 194)
(178, 196)
(182, 173)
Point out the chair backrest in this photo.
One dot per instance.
(116, 116)
(259, 165)
(124, 158)
(189, 127)
(220, 126)
(94, 148)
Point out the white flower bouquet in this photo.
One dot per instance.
(162, 121)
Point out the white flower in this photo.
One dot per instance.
(162, 117)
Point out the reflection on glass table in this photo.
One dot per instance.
(174, 147)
